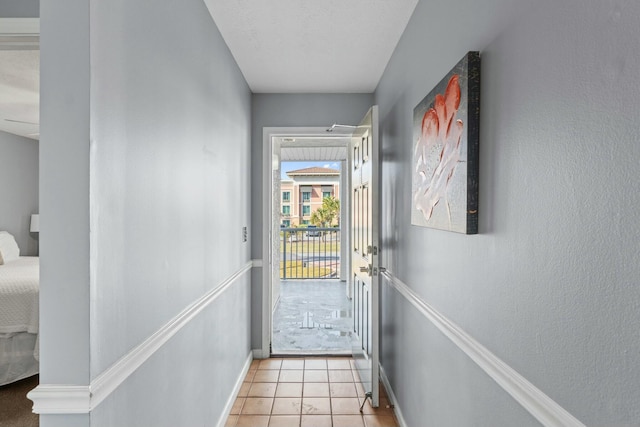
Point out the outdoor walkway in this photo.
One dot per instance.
(312, 317)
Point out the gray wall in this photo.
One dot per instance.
(550, 285)
(64, 197)
(151, 154)
(19, 189)
(288, 110)
(19, 9)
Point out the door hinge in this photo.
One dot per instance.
(372, 250)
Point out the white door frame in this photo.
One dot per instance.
(269, 147)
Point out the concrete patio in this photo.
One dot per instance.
(312, 317)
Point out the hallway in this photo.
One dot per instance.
(309, 392)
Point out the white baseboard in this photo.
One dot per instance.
(236, 389)
(392, 398)
(259, 354)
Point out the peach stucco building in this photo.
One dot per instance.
(302, 194)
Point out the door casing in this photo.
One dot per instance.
(270, 147)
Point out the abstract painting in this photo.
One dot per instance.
(445, 151)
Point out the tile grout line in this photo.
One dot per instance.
(328, 383)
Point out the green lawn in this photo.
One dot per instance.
(313, 246)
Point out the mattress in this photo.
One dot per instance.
(19, 295)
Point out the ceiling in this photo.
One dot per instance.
(309, 149)
(19, 77)
(281, 46)
(312, 46)
(19, 92)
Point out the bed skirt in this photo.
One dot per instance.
(18, 356)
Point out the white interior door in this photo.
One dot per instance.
(365, 249)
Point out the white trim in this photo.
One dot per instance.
(257, 263)
(19, 26)
(541, 406)
(19, 42)
(105, 383)
(60, 399)
(19, 33)
(236, 389)
(392, 398)
(56, 399)
(270, 141)
(258, 354)
(267, 159)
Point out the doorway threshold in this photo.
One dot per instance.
(307, 353)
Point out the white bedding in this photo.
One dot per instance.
(19, 295)
(18, 358)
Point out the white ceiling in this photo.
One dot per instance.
(281, 46)
(312, 46)
(19, 77)
(313, 154)
(19, 92)
(299, 149)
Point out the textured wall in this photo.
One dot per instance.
(550, 285)
(180, 389)
(19, 9)
(169, 159)
(164, 159)
(64, 194)
(288, 110)
(19, 189)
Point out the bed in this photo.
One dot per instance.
(19, 310)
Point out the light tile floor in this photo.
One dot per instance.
(306, 392)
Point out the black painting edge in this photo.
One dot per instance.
(473, 140)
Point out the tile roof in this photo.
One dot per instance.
(314, 171)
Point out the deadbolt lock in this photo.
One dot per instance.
(369, 270)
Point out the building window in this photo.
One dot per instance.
(306, 210)
(306, 196)
(286, 223)
(326, 194)
(305, 222)
(286, 196)
(286, 210)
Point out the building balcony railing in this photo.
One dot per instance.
(309, 253)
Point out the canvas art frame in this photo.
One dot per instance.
(445, 160)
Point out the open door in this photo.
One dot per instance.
(365, 247)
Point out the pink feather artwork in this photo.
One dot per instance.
(441, 156)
